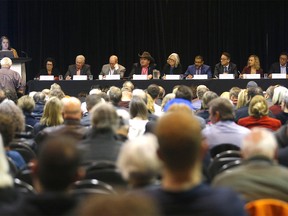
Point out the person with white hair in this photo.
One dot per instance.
(173, 66)
(259, 176)
(277, 99)
(79, 68)
(10, 79)
(138, 162)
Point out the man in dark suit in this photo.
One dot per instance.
(144, 67)
(198, 68)
(281, 66)
(79, 68)
(225, 66)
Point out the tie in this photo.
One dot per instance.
(225, 69)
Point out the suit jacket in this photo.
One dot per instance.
(205, 69)
(275, 68)
(55, 72)
(106, 68)
(136, 69)
(72, 70)
(232, 69)
(175, 70)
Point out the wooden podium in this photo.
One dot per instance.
(20, 67)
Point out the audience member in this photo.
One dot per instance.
(259, 176)
(233, 95)
(173, 66)
(27, 105)
(204, 112)
(242, 99)
(283, 116)
(79, 68)
(225, 66)
(166, 99)
(145, 67)
(10, 79)
(128, 84)
(281, 66)
(253, 66)
(198, 68)
(138, 162)
(181, 191)
(91, 101)
(126, 95)
(153, 90)
(49, 68)
(113, 68)
(200, 91)
(277, 98)
(115, 95)
(223, 129)
(100, 142)
(258, 115)
(39, 99)
(5, 45)
(269, 95)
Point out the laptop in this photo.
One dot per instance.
(6, 53)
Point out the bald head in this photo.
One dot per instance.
(113, 60)
(178, 148)
(71, 108)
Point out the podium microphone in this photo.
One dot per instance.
(25, 53)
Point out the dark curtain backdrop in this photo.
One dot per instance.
(63, 29)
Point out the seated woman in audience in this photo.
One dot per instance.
(27, 105)
(173, 65)
(283, 115)
(253, 66)
(52, 115)
(277, 99)
(258, 115)
(242, 98)
(139, 117)
(5, 46)
(138, 161)
(204, 111)
(49, 69)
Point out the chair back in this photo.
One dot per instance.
(267, 207)
(216, 165)
(229, 153)
(24, 150)
(23, 187)
(229, 166)
(93, 184)
(25, 175)
(222, 147)
(13, 170)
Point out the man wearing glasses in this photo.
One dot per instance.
(225, 66)
(281, 66)
(198, 68)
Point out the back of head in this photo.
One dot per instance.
(92, 100)
(128, 84)
(222, 106)
(200, 91)
(26, 103)
(179, 144)
(2, 95)
(207, 97)
(104, 117)
(258, 107)
(6, 62)
(7, 129)
(153, 90)
(259, 142)
(242, 98)
(57, 93)
(234, 92)
(184, 92)
(138, 108)
(115, 95)
(72, 108)
(270, 92)
(140, 93)
(39, 97)
(252, 91)
(58, 162)
(279, 91)
(6, 179)
(52, 112)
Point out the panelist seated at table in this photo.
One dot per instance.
(173, 66)
(113, 68)
(281, 66)
(5, 46)
(225, 66)
(145, 66)
(198, 68)
(79, 68)
(253, 66)
(49, 69)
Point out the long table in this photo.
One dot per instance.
(73, 87)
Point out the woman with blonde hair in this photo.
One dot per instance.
(173, 65)
(258, 115)
(242, 98)
(52, 115)
(253, 66)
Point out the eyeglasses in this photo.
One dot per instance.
(223, 59)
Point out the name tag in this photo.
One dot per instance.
(113, 77)
(200, 76)
(278, 76)
(46, 77)
(251, 76)
(226, 76)
(79, 77)
(140, 77)
(172, 77)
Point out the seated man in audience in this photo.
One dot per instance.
(91, 101)
(79, 68)
(198, 68)
(223, 129)
(53, 173)
(181, 191)
(113, 68)
(259, 176)
(144, 67)
(225, 66)
(281, 66)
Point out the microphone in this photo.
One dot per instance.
(25, 53)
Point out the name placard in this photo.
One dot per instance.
(226, 76)
(172, 77)
(140, 77)
(200, 76)
(79, 77)
(278, 76)
(251, 76)
(46, 77)
(113, 77)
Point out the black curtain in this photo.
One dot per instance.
(97, 29)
